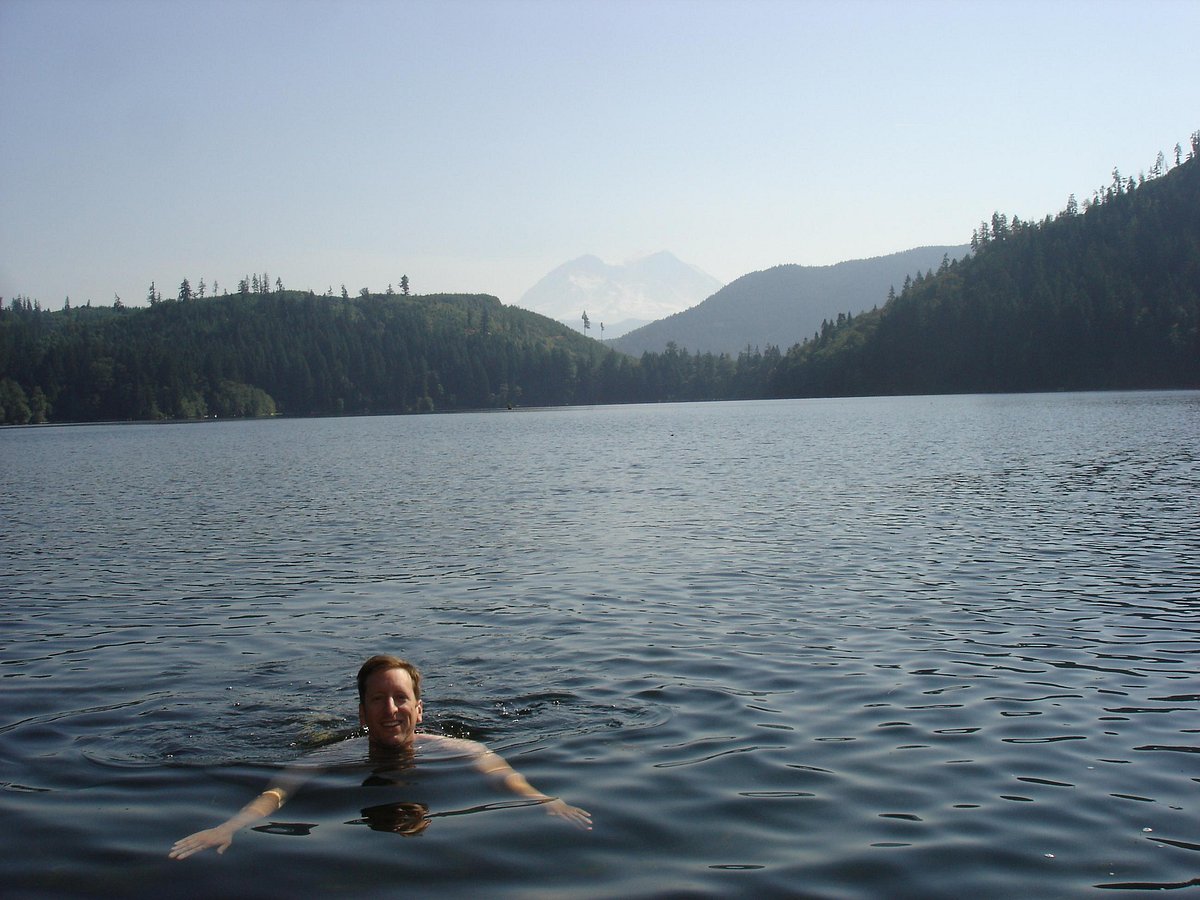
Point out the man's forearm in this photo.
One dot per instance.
(260, 807)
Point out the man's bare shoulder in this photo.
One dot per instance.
(442, 747)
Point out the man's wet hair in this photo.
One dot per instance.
(381, 663)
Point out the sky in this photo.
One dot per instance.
(474, 145)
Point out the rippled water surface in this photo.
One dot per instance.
(908, 647)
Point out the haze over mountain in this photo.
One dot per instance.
(623, 297)
(783, 305)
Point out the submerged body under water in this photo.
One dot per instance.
(928, 646)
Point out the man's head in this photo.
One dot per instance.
(382, 662)
(389, 701)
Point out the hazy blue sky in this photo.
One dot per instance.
(476, 145)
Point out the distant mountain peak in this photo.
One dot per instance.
(623, 295)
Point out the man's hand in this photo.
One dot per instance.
(219, 837)
(580, 818)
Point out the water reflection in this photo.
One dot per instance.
(407, 819)
(291, 829)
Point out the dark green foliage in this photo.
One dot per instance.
(1104, 299)
(289, 352)
(295, 353)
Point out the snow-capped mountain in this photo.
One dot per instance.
(622, 297)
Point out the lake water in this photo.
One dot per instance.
(904, 647)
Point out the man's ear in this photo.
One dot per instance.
(420, 711)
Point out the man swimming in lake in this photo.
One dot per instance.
(390, 708)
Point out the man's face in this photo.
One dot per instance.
(390, 710)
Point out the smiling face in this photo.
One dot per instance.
(390, 710)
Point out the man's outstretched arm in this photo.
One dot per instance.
(495, 767)
(221, 836)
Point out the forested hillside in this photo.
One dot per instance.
(287, 352)
(293, 353)
(783, 305)
(1103, 296)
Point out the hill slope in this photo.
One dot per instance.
(1106, 298)
(783, 305)
(287, 352)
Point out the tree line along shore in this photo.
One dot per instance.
(1104, 295)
